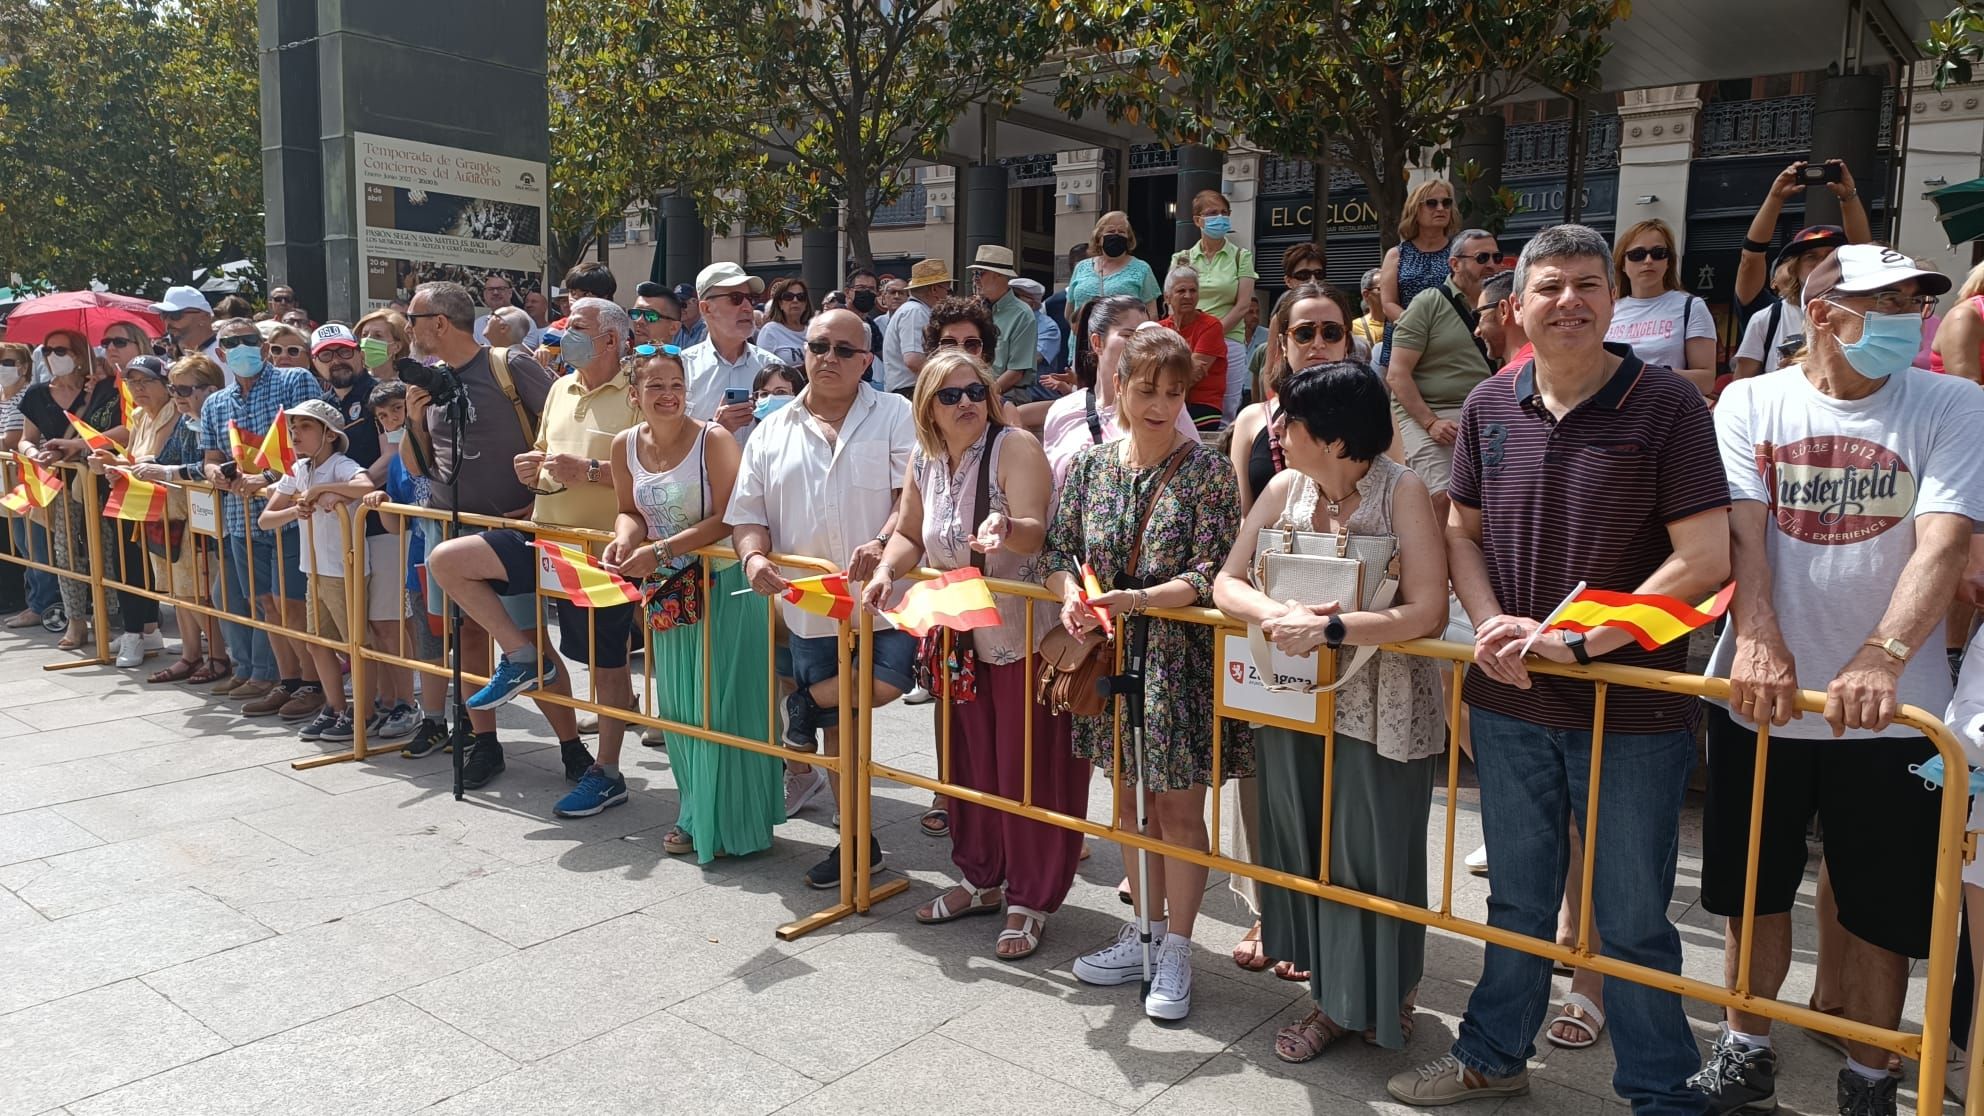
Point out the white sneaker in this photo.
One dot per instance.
(918, 695)
(1477, 861)
(153, 643)
(1956, 1079)
(1121, 962)
(1171, 980)
(801, 786)
(130, 649)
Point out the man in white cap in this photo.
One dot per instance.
(902, 345)
(720, 368)
(992, 278)
(1047, 335)
(1857, 487)
(334, 355)
(189, 322)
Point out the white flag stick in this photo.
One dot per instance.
(1550, 619)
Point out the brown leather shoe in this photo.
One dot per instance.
(271, 701)
(303, 704)
(227, 686)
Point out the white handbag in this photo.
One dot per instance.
(1358, 572)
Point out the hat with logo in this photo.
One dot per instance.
(725, 274)
(325, 413)
(180, 299)
(928, 273)
(995, 258)
(148, 365)
(1858, 269)
(1812, 237)
(331, 335)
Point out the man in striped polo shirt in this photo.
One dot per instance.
(1582, 465)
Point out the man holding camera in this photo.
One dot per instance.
(720, 368)
(500, 425)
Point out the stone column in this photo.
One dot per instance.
(1945, 138)
(943, 231)
(985, 209)
(1846, 122)
(1657, 130)
(819, 253)
(679, 249)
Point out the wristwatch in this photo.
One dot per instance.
(1575, 641)
(1333, 632)
(1893, 648)
(592, 471)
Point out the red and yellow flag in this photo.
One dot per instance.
(826, 595)
(277, 452)
(1651, 618)
(241, 446)
(134, 500)
(958, 600)
(127, 405)
(37, 488)
(96, 439)
(1091, 589)
(583, 579)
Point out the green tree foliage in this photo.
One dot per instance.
(130, 147)
(1956, 41)
(1365, 84)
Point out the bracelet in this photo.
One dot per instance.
(1761, 247)
(1851, 196)
(1143, 602)
(663, 554)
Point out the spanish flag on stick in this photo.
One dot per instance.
(37, 488)
(1091, 589)
(277, 452)
(97, 439)
(583, 579)
(241, 447)
(826, 594)
(127, 405)
(958, 600)
(134, 500)
(1652, 619)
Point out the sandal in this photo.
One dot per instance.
(939, 911)
(936, 822)
(677, 843)
(213, 671)
(179, 671)
(74, 640)
(1032, 925)
(1578, 1012)
(1249, 954)
(1287, 971)
(1406, 1023)
(1302, 1042)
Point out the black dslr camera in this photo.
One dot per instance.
(439, 381)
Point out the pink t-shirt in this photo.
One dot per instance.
(1067, 432)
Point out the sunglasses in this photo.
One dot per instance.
(119, 343)
(969, 344)
(951, 396)
(57, 350)
(643, 314)
(412, 317)
(792, 296)
(734, 298)
(665, 350)
(1438, 203)
(1305, 334)
(840, 349)
(174, 315)
(187, 391)
(1308, 275)
(296, 350)
(239, 340)
(1486, 258)
(281, 298)
(1657, 252)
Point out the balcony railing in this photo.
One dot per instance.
(908, 210)
(1280, 175)
(1545, 147)
(1773, 126)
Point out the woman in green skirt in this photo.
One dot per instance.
(1364, 969)
(674, 476)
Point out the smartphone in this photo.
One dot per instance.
(734, 396)
(1815, 174)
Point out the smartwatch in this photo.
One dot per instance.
(1575, 641)
(1333, 632)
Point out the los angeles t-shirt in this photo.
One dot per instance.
(1653, 326)
(1843, 481)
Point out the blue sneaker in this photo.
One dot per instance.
(513, 678)
(593, 795)
(800, 729)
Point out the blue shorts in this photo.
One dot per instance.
(807, 661)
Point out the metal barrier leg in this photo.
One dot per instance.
(99, 602)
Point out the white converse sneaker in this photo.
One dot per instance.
(1477, 861)
(1119, 963)
(153, 643)
(1171, 980)
(130, 649)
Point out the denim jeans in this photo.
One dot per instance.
(248, 647)
(31, 541)
(1533, 781)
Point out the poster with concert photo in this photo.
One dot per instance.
(429, 212)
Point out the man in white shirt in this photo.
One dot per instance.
(720, 368)
(821, 480)
(902, 345)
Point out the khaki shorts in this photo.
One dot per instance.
(385, 595)
(1432, 461)
(327, 607)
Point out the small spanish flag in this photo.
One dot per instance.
(826, 595)
(958, 600)
(1091, 589)
(134, 500)
(96, 439)
(241, 446)
(126, 405)
(37, 488)
(1652, 619)
(277, 451)
(583, 579)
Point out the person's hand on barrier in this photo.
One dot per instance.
(1763, 681)
(765, 579)
(1300, 628)
(632, 563)
(1496, 647)
(100, 460)
(151, 471)
(567, 469)
(992, 533)
(528, 465)
(373, 499)
(863, 561)
(1863, 696)
(250, 485)
(61, 449)
(880, 584)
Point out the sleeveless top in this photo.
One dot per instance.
(1260, 463)
(1394, 702)
(950, 500)
(673, 499)
(1936, 359)
(1417, 271)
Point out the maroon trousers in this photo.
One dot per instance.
(1035, 861)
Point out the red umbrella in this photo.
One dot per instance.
(89, 313)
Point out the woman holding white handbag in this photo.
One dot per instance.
(1339, 488)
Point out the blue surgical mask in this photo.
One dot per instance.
(769, 404)
(1887, 344)
(244, 361)
(577, 350)
(1219, 225)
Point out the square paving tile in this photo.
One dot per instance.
(50, 960)
(81, 1045)
(150, 808)
(29, 834)
(934, 1071)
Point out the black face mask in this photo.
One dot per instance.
(1114, 245)
(864, 302)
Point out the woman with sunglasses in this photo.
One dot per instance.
(976, 495)
(1418, 261)
(1663, 323)
(123, 551)
(166, 447)
(289, 347)
(788, 307)
(1086, 416)
(28, 537)
(79, 386)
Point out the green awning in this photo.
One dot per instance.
(1961, 210)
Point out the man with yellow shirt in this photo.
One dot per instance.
(568, 470)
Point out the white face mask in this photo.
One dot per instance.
(61, 365)
(393, 436)
(10, 374)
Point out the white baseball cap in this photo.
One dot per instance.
(178, 299)
(329, 334)
(725, 274)
(1856, 269)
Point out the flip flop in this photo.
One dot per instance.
(1589, 1019)
(941, 818)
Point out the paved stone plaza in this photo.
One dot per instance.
(188, 926)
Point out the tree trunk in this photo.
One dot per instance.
(858, 215)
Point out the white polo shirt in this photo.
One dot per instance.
(820, 497)
(709, 376)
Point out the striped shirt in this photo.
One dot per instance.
(1584, 498)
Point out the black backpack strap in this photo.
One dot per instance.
(982, 497)
(1094, 419)
(1470, 319)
